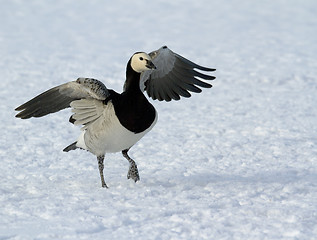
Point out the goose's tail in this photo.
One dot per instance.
(70, 147)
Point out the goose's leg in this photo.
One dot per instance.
(133, 169)
(101, 167)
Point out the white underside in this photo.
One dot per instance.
(107, 135)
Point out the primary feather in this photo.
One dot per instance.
(173, 77)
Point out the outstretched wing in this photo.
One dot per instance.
(60, 97)
(173, 77)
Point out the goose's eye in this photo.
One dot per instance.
(141, 58)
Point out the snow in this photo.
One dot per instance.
(237, 161)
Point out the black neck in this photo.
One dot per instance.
(132, 79)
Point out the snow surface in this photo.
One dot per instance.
(235, 162)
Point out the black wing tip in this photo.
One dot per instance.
(195, 65)
(72, 120)
(180, 96)
(205, 68)
(22, 115)
(19, 108)
(19, 116)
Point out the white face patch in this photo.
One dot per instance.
(138, 62)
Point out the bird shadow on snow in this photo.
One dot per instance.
(205, 179)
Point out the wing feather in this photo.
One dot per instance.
(168, 91)
(60, 97)
(175, 76)
(186, 82)
(188, 78)
(86, 111)
(177, 89)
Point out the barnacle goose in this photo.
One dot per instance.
(114, 122)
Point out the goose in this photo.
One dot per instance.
(114, 122)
